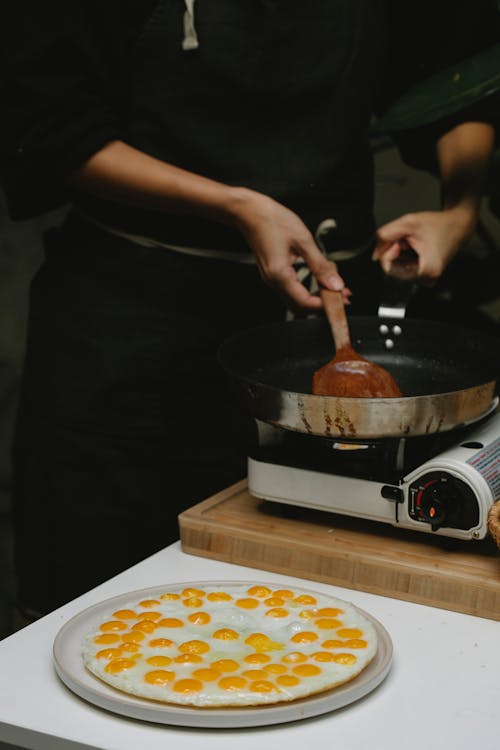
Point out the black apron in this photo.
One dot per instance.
(125, 417)
(277, 97)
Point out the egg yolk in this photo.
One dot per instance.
(187, 686)
(170, 597)
(199, 618)
(107, 638)
(294, 657)
(194, 647)
(306, 670)
(257, 658)
(327, 623)
(206, 674)
(130, 647)
(255, 674)
(330, 612)
(159, 661)
(170, 622)
(274, 601)
(225, 665)
(109, 653)
(150, 616)
(149, 603)
(333, 644)
(284, 593)
(262, 686)
(188, 659)
(247, 603)
(232, 683)
(261, 642)
(305, 599)
(219, 596)
(287, 680)
(159, 677)
(125, 614)
(304, 637)
(119, 665)
(145, 626)
(308, 614)
(133, 636)
(277, 612)
(193, 601)
(350, 633)
(161, 643)
(344, 658)
(275, 668)
(259, 591)
(355, 643)
(226, 634)
(323, 656)
(113, 625)
(193, 592)
(258, 640)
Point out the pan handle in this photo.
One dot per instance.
(396, 294)
(399, 285)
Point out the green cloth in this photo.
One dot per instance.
(445, 93)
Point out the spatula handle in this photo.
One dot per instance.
(335, 312)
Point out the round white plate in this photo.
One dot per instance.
(71, 670)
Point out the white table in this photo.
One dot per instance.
(443, 690)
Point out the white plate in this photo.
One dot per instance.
(70, 668)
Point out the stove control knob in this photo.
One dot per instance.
(433, 504)
(441, 499)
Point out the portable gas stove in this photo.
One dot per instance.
(443, 483)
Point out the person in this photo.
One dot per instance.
(204, 151)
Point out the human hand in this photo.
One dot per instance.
(435, 237)
(278, 238)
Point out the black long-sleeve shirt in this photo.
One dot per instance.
(67, 74)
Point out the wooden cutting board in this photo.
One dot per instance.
(235, 527)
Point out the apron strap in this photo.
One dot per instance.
(190, 40)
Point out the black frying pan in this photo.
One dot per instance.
(448, 376)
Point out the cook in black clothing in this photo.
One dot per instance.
(200, 147)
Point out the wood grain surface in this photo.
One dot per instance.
(235, 527)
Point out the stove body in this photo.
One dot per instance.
(440, 484)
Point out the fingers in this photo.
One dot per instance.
(278, 271)
(434, 237)
(324, 271)
(412, 257)
(390, 248)
(297, 297)
(284, 280)
(398, 250)
(389, 254)
(398, 229)
(278, 238)
(401, 262)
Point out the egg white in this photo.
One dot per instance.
(224, 614)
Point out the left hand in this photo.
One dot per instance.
(435, 237)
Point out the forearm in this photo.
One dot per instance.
(275, 234)
(464, 154)
(123, 174)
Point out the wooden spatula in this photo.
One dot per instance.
(348, 373)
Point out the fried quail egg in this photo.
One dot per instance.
(236, 645)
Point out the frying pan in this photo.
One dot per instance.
(448, 376)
